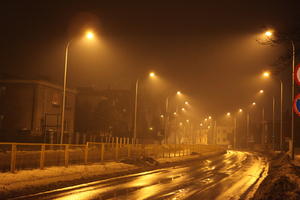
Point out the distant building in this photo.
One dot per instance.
(224, 135)
(104, 112)
(32, 109)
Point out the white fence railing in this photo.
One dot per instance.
(18, 156)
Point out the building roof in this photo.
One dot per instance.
(37, 82)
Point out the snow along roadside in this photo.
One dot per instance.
(36, 178)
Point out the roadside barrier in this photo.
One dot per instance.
(18, 156)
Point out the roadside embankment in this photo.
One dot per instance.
(282, 182)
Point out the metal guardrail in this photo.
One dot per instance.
(18, 156)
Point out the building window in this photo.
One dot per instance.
(55, 99)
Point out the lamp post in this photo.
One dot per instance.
(267, 74)
(269, 34)
(89, 35)
(293, 94)
(151, 75)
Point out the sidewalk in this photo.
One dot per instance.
(28, 180)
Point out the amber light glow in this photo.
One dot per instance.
(89, 35)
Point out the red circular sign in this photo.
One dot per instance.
(297, 74)
(296, 105)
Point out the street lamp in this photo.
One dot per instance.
(266, 74)
(168, 115)
(89, 35)
(267, 33)
(281, 109)
(151, 75)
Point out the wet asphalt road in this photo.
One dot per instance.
(228, 176)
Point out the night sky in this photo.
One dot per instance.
(208, 50)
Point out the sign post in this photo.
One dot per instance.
(297, 74)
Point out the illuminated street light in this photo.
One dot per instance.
(266, 74)
(178, 93)
(253, 104)
(187, 121)
(152, 74)
(183, 109)
(180, 124)
(89, 35)
(240, 110)
(150, 128)
(268, 33)
(161, 116)
(209, 117)
(175, 113)
(228, 114)
(186, 103)
(201, 124)
(261, 91)
(208, 127)
(205, 119)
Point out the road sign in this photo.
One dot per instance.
(297, 105)
(297, 74)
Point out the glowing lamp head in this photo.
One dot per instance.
(183, 109)
(201, 124)
(152, 74)
(228, 114)
(187, 121)
(209, 117)
(261, 91)
(205, 119)
(186, 103)
(180, 124)
(268, 33)
(208, 127)
(178, 93)
(161, 116)
(240, 110)
(150, 128)
(89, 35)
(253, 104)
(175, 113)
(266, 74)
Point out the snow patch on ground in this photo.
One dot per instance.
(24, 179)
(282, 182)
(36, 177)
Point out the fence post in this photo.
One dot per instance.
(102, 152)
(66, 155)
(13, 158)
(129, 150)
(117, 149)
(86, 153)
(42, 157)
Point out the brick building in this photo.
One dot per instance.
(30, 110)
(103, 113)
